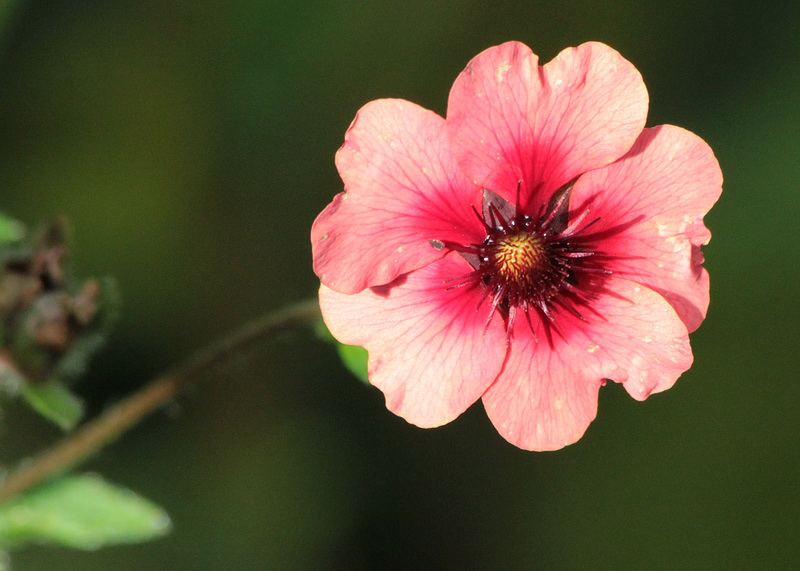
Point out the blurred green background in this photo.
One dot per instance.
(191, 144)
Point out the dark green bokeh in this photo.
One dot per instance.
(191, 144)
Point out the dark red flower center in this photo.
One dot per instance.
(539, 264)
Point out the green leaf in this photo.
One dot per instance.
(10, 230)
(353, 356)
(55, 402)
(355, 359)
(82, 512)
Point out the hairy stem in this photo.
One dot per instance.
(93, 436)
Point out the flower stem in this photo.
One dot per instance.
(93, 436)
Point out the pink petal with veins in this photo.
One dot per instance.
(511, 120)
(546, 395)
(402, 189)
(430, 352)
(658, 194)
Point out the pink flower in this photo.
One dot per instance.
(532, 245)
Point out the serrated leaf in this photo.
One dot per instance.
(353, 357)
(82, 512)
(55, 402)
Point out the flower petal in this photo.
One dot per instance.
(546, 395)
(655, 197)
(511, 120)
(402, 189)
(430, 351)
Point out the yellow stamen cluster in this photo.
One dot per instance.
(516, 256)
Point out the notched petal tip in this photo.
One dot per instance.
(511, 119)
